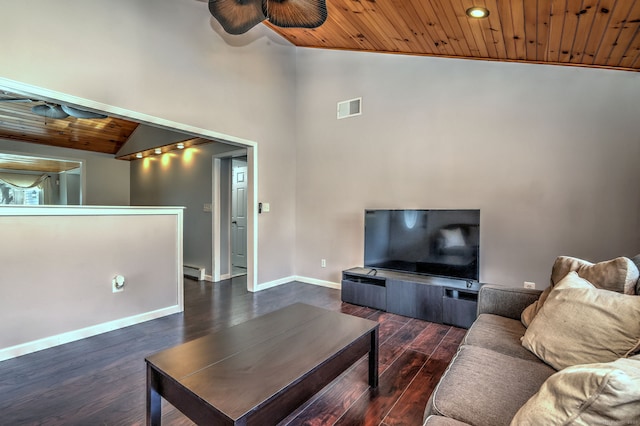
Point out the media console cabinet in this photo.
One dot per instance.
(436, 299)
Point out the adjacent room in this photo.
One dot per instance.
(320, 212)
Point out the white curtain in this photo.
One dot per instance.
(13, 186)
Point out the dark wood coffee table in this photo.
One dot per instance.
(260, 371)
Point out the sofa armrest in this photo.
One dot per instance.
(505, 301)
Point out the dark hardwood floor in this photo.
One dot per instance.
(101, 380)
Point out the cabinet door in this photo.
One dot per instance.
(429, 302)
(401, 298)
(459, 312)
(364, 294)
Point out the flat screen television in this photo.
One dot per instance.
(443, 243)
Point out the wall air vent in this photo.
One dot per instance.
(349, 108)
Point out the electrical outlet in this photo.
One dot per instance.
(117, 284)
(323, 263)
(528, 284)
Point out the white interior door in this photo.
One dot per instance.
(239, 217)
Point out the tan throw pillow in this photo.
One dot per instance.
(580, 324)
(636, 261)
(532, 310)
(590, 394)
(619, 274)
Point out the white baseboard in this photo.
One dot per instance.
(321, 283)
(208, 278)
(83, 333)
(305, 280)
(274, 283)
(72, 336)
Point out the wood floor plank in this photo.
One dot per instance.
(365, 312)
(387, 329)
(347, 308)
(396, 344)
(445, 351)
(429, 339)
(456, 334)
(101, 380)
(336, 400)
(413, 401)
(373, 406)
(382, 316)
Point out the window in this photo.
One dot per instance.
(25, 196)
(30, 181)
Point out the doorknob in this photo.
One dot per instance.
(234, 222)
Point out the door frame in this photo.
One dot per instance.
(252, 216)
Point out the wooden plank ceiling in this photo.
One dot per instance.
(35, 164)
(19, 123)
(592, 33)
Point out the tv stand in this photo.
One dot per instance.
(435, 299)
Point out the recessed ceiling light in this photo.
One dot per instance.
(477, 12)
(139, 155)
(158, 151)
(180, 145)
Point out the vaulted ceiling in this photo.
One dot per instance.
(592, 33)
(587, 33)
(19, 123)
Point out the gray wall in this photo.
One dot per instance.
(182, 182)
(107, 179)
(73, 189)
(57, 273)
(549, 154)
(181, 67)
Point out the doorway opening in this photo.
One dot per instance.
(249, 149)
(233, 215)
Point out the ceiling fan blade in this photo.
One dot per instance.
(81, 113)
(17, 100)
(295, 13)
(49, 111)
(237, 16)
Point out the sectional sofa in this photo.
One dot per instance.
(567, 355)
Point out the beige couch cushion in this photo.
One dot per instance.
(486, 388)
(589, 394)
(499, 334)
(442, 421)
(580, 324)
(532, 310)
(620, 275)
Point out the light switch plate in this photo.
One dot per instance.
(265, 207)
(207, 207)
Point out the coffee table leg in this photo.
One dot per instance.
(154, 401)
(373, 359)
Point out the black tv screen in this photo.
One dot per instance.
(432, 242)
